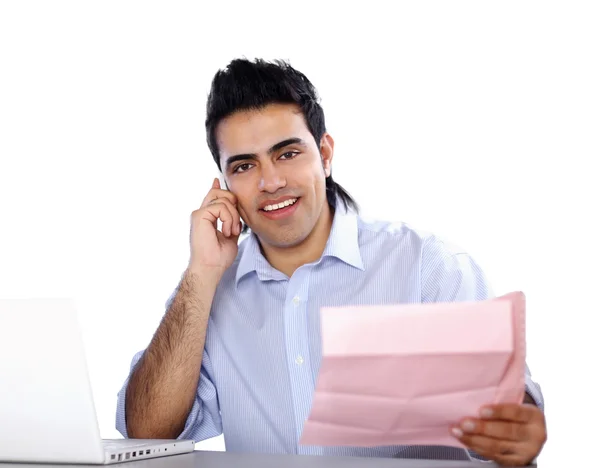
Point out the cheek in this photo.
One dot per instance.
(243, 214)
(245, 203)
(319, 178)
(311, 177)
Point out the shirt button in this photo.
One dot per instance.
(296, 300)
(299, 360)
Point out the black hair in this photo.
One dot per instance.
(246, 84)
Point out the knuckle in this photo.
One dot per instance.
(220, 193)
(518, 432)
(489, 427)
(481, 427)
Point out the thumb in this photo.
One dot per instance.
(216, 183)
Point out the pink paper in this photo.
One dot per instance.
(403, 374)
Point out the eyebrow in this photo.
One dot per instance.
(253, 156)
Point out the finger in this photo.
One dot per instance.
(217, 193)
(497, 429)
(216, 183)
(236, 225)
(490, 447)
(522, 413)
(218, 210)
(231, 220)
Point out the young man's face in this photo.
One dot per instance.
(269, 157)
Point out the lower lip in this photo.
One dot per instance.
(281, 213)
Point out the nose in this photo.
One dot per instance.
(271, 180)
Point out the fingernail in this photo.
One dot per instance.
(486, 413)
(456, 432)
(468, 426)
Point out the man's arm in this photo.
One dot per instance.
(162, 387)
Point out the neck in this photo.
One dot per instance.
(289, 259)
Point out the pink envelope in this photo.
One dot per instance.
(403, 374)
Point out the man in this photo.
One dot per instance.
(238, 350)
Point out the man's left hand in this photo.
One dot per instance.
(509, 434)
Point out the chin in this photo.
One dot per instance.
(282, 240)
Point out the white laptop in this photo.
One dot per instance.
(47, 412)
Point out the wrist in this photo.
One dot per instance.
(203, 273)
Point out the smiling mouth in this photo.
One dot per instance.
(279, 206)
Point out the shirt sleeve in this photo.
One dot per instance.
(203, 421)
(449, 274)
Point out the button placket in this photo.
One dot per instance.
(298, 350)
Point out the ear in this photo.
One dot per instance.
(326, 149)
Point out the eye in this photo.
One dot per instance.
(289, 155)
(242, 168)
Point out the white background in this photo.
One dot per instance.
(478, 121)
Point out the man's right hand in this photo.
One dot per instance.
(209, 247)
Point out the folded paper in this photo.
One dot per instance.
(403, 374)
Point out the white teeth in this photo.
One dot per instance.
(289, 202)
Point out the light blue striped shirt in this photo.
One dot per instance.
(263, 348)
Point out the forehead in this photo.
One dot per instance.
(255, 131)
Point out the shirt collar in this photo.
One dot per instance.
(343, 239)
(342, 244)
(252, 259)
